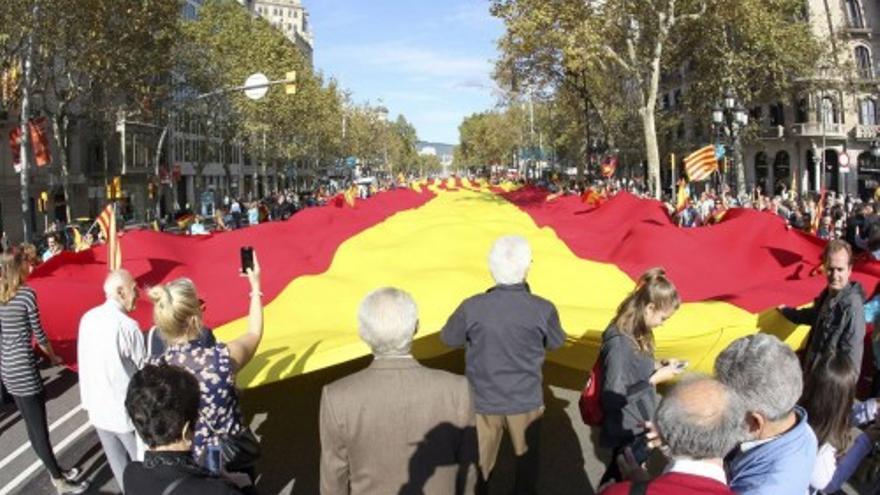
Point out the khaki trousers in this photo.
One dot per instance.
(524, 430)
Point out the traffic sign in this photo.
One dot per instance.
(256, 86)
(843, 163)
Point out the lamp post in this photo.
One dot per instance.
(728, 122)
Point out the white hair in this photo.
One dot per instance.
(764, 372)
(509, 259)
(387, 320)
(114, 281)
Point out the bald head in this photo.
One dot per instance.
(121, 287)
(700, 418)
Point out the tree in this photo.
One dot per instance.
(82, 46)
(620, 49)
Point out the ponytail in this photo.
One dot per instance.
(176, 308)
(654, 288)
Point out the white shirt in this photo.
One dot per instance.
(823, 470)
(699, 468)
(110, 350)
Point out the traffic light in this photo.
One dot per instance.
(114, 188)
(43, 202)
(290, 87)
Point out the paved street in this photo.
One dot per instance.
(285, 416)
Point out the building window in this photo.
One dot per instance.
(828, 111)
(867, 112)
(863, 62)
(777, 114)
(854, 14)
(801, 111)
(676, 98)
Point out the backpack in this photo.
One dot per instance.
(590, 402)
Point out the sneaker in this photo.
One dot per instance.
(64, 487)
(71, 474)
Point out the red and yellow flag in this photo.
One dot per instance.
(700, 164)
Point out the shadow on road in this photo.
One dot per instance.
(287, 413)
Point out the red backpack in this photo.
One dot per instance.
(590, 402)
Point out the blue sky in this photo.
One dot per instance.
(428, 60)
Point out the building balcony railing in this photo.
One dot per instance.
(816, 129)
(866, 132)
(858, 30)
(771, 132)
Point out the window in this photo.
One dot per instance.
(854, 14)
(863, 62)
(756, 114)
(867, 112)
(777, 114)
(828, 111)
(676, 98)
(801, 114)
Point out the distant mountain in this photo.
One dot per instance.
(440, 149)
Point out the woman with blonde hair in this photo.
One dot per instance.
(630, 373)
(19, 326)
(178, 315)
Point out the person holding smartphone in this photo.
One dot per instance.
(630, 371)
(177, 312)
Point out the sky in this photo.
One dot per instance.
(430, 60)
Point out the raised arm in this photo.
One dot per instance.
(242, 349)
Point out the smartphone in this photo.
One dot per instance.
(682, 365)
(247, 258)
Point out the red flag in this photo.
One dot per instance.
(15, 147)
(40, 141)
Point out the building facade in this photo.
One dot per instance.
(291, 18)
(815, 139)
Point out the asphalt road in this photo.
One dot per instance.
(285, 416)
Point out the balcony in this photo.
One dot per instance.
(855, 30)
(866, 132)
(817, 130)
(771, 132)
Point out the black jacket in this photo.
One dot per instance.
(836, 323)
(628, 397)
(161, 470)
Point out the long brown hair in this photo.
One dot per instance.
(653, 288)
(12, 273)
(829, 394)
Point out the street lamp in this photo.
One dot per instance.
(728, 121)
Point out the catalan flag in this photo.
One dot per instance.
(701, 163)
(104, 219)
(609, 166)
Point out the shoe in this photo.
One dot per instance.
(64, 487)
(71, 474)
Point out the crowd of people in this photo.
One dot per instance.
(168, 416)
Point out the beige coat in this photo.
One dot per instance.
(398, 427)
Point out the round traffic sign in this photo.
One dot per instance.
(843, 160)
(256, 86)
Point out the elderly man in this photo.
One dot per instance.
(778, 457)
(111, 350)
(506, 332)
(396, 427)
(837, 316)
(700, 421)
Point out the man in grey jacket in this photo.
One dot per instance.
(837, 316)
(506, 332)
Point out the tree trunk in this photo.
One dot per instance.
(157, 171)
(652, 151)
(25, 142)
(60, 127)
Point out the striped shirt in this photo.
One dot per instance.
(19, 324)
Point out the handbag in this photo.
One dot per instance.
(590, 403)
(239, 451)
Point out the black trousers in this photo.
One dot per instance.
(33, 411)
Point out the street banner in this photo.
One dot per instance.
(39, 143)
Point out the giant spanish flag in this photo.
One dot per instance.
(432, 240)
